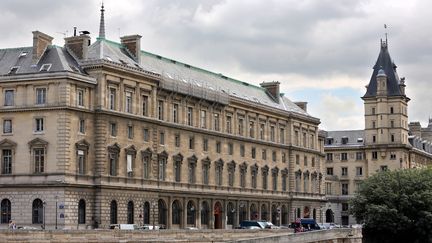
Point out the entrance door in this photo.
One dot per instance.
(218, 216)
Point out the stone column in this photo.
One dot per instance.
(183, 223)
(237, 215)
(198, 214)
(169, 208)
(211, 218)
(224, 214)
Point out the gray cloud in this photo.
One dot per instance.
(328, 44)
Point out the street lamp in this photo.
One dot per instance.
(56, 198)
(43, 213)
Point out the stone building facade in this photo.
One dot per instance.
(101, 133)
(386, 143)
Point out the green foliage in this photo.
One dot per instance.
(396, 206)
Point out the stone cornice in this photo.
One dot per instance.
(48, 76)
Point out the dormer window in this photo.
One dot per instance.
(13, 70)
(344, 140)
(359, 140)
(329, 141)
(45, 67)
(23, 54)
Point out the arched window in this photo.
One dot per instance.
(146, 212)
(284, 215)
(81, 212)
(205, 213)
(113, 212)
(230, 213)
(130, 212)
(329, 216)
(176, 212)
(37, 211)
(275, 215)
(253, 212)
(263, 212)
(162, 213)
(5, 211)
(191, 213)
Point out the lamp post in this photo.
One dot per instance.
(56, 198)
(43, 213)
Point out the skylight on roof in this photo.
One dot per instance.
(45, 67)
(23, 54)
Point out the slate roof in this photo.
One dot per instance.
(385, 63)
(185, 73)
(352, 136)
(57, 56)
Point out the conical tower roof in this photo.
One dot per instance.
(385, 63)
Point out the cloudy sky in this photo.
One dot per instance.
(322, 51)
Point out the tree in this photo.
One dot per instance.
(396, 206)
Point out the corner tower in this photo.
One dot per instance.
(386, 117)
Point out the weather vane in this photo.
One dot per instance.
(385, 28)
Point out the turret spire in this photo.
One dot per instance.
(102, 23)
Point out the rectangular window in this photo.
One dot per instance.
(7, 126)
(160, 110)
(330, 171)
(283, 157)
(81, 126)
(262, 131)
(145, 105)
(240, 126)
(282, 135)
(297, 159)
(146, 135)
(146, 166)
(113, 129)
(305, 161)
(344, 171)
(129, 165)
(161, 138)
(312, 141)
(344, 207)
(80, 162)
(80, 97)
(373, 110)
(39, 122)
(190, 116)
(112, 98)
(218, 147)
(253, 152)
(274, 156)
(128, 102)
(205, 144)
(313, 162)
(296, 138)
(113, 164)
(392, 156)
(344, 156)
(177, 140)
(242, 150)
(284, 183)
(345, 189)
(203, 119)
(272, 133)
(175, 113)
(230, 148)
(392, 138)
(251, 129)
(373, 138)
(130, 131)
(6, 161)
(191, 142)
(383, 168)
(216, 124)
(205, 172)
(359, 155)
(391, 124)
(264, 154)
(329, 188)
(374, 155)
(304, 140)
(228, 124)
(39, 160)
(359, 171)
(9, 98)
(41, 96)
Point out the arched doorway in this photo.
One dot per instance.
(306, 212)
(37, 212)
(264, 213)
(130, 212)
(275, 215)
(329, 216)
(162, 213)
(218, 215)
(205, 211)
(242, 212)
(5, 211)
(230, 214)
(81, 212)
(253, 212)
(284, 215)
(146, 212)
(113, 212)
(191, 213)
(176, 213)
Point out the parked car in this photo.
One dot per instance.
(149, 227)
(305, 224)
(328, 225)
(252, 224)
(124, 226)
(269, 225)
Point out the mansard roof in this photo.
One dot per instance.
(387, 65)
(182, 73)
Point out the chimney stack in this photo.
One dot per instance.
(272, 88)
(302, 105)
(133, 45)
(40, 43)
(78, 45)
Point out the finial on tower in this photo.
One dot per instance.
(102, 23)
